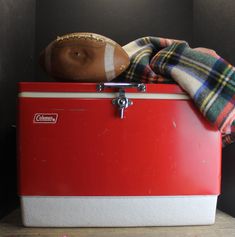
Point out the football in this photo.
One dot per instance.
(84, 57)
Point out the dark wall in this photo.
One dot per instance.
(226, 201)
(214, 26)
(16, 64)
(123, 20)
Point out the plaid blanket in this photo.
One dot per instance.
(205, 76)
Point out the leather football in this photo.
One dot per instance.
(84, 57)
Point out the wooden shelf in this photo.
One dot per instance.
(11, 226)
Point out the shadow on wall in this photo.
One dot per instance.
(226, 201)
(8, 172)
(16, 64)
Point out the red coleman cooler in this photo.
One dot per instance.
(115, 154)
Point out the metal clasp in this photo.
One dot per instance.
(121, 101)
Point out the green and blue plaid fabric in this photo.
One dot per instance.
(206, 77)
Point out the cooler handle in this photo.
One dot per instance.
(122, 85)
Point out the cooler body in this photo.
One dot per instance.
(83, 161)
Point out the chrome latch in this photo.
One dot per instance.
(121, 101)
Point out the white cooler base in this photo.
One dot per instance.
(39, 211)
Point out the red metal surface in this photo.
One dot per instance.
(161, 147)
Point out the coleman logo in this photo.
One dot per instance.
(45, 118)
